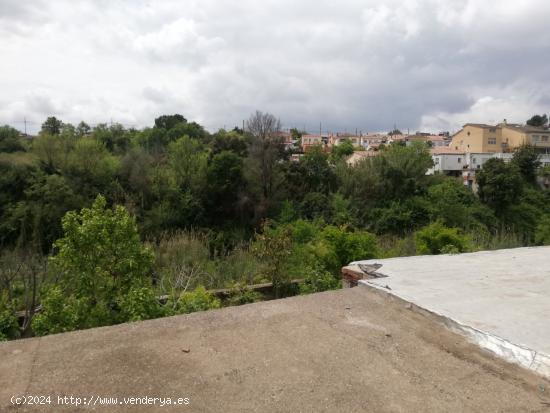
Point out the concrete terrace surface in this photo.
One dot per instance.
(351, 350)
(505, 293)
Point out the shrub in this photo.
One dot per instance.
(350, 245)
(317, 280)
(304, 231)
(436, 238)
(273, 248)
(59, 313)
(316, 205)
(197, 300)
(542, 233)
(243, 295)
(183, 262)
(8, 321)
(100, 260)
(141, 303)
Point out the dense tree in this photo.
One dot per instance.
(296, 134)
(527, 160)
(264, 173)
(52, 151)
(342, 150)
(397, 173)
(455, 205)
(136, 173)
(169, 121)
(188, 160)
(83, 129)
(9, 140)
(98, 263)
(229, 141)
(91, 167)
(317, 174)
(201, 200)
(538, 120)
(52, 126)
(500, 184)
(225, 182)
(35, 219)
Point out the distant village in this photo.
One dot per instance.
(460, 155)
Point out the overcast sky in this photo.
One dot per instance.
(421, 64)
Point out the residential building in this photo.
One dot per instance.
(504, 137)
(338, 138)
(309, 140)
(454, 162)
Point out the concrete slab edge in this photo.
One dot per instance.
(513, 353)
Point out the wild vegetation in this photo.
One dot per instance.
(105, 225)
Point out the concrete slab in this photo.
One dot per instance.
(351, 350)
(499, 299)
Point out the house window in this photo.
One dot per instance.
(544, 138)
(492, 141)
(492, 130)
(459, 160)
(468, 133)
(473, 160)
(535, 138)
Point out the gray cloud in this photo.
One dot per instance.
(354, 64)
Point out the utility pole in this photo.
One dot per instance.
(25, 122)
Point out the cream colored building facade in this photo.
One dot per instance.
(504, 137)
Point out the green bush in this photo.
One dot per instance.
(59, 313)
(350, 245)
(542, 233)
(273, 249)
(8, 320)
(141, 303)
(304, 231)
(317, 280)
(198, 300)
(243, 295)
(436, 238)
(99, 261)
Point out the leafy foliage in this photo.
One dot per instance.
(197, 300)
(226, 210)
(272, 248)
(9, 328)
(439, 239)
(317, 281)
(538, 120)
(500, 184)
(99, 261)
(542, 234)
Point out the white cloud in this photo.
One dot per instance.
(353, 64)
(515, 103)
